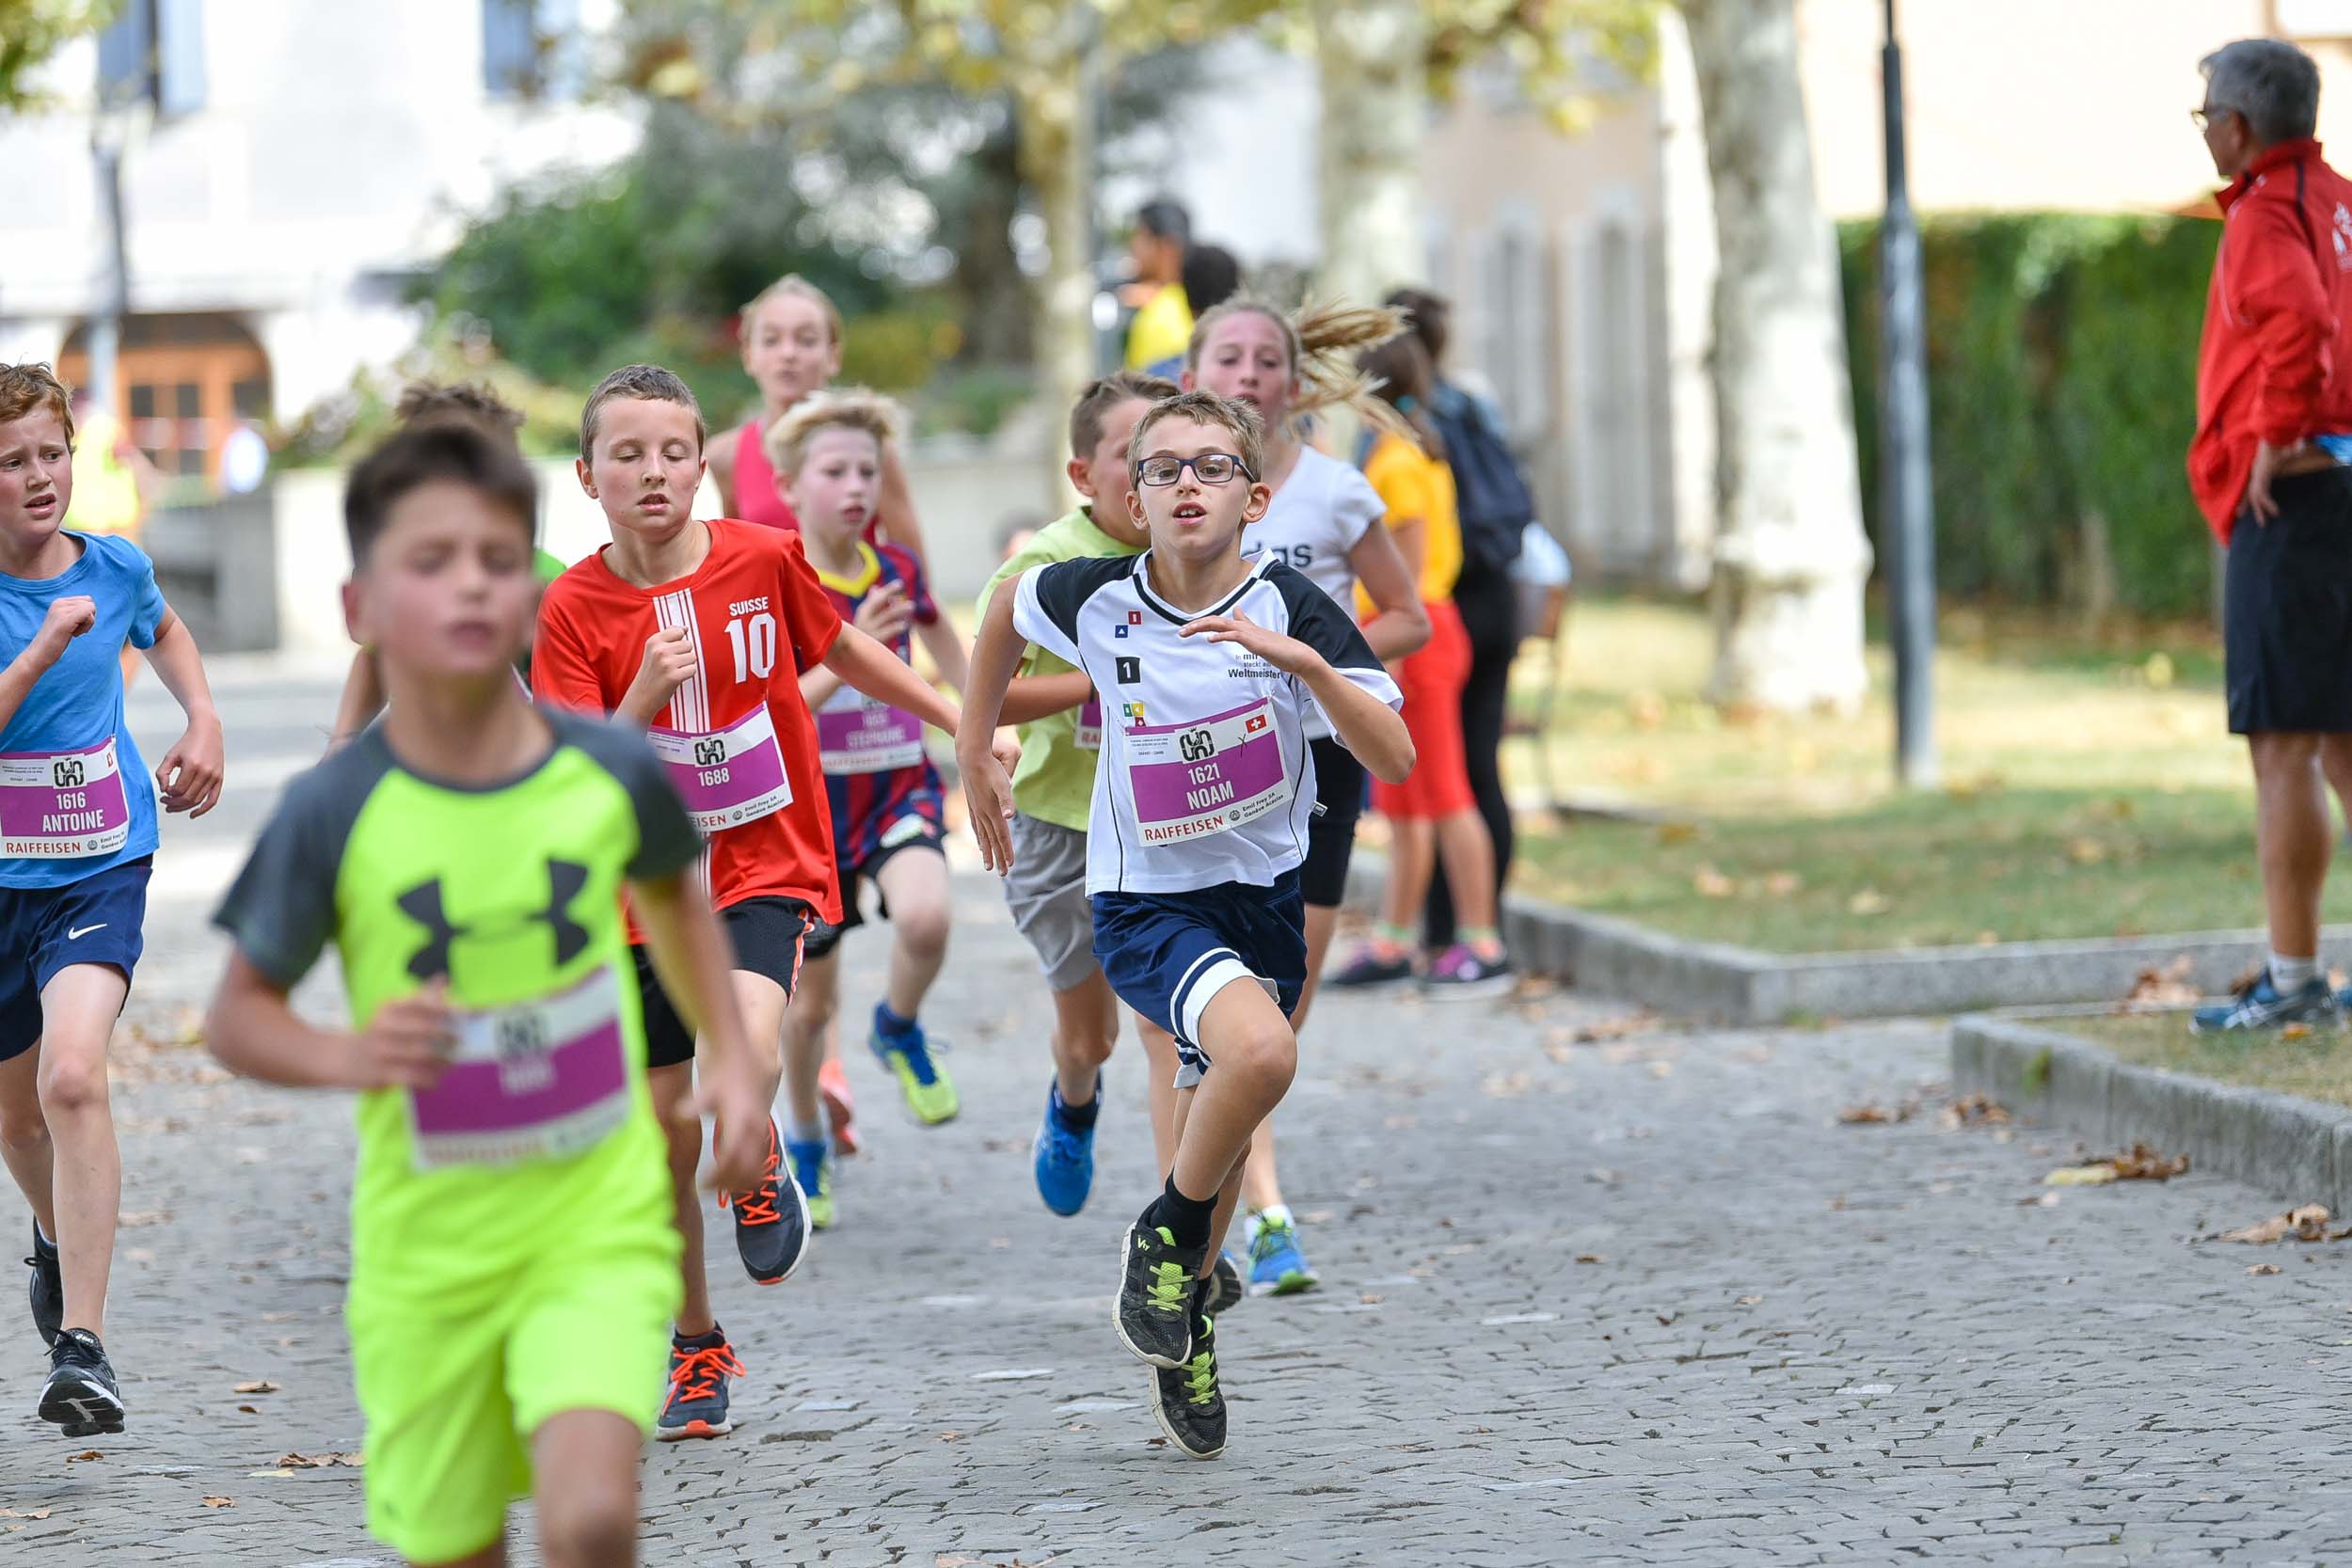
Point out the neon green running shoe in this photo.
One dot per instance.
(812, 1169)
(928, 1092)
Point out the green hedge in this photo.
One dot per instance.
(2061, 383)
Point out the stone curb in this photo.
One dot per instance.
(1744, 986)
(2298, 1150)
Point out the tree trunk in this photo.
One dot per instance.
(1370, 57)
(1057, 160)
(999, 325)
(1790, 556)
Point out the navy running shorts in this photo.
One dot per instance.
(97, 920)
(1167, 954)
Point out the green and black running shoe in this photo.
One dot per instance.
(1153, 1312)
(1188, 1405)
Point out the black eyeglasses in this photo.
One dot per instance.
(1210, 468)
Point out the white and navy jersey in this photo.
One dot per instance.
(1205, 777)
(1315, 519)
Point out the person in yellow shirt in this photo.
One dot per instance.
(1432, 816)
(1163, 321)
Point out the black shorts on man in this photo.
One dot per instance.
(2286, 620)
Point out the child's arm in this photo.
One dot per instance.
(895, 506)
(68, 617)
(1367, 726)
(988, 787)
(253, 1032)
(939, 639)
(190, 773)
(691, 955)
(1033, 697)
(361, 700)
(881, 674)
(1400, 625)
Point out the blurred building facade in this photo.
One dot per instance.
(289, 168)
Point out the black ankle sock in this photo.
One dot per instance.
(1078, 1118)
(1185, 1218)
(699, 1341)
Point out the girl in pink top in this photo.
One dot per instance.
(791, 338)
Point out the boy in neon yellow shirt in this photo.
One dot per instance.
(514, 1266)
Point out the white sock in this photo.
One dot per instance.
(2292, 974)
(815, 1132)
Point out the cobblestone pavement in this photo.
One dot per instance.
(1628, 1299)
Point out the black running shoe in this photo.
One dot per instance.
(1188, 1405)
(1223, 1289)
(771, 1220)
(700, 1371)
(81, 1396)
(1153, 1312)
(48, 1288)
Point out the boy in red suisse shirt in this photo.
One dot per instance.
(701, 631)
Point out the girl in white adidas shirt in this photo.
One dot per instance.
(1321, 523)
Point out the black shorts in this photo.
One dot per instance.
(2286, 616)
(1340, 786)
(823, 939)
(767, 934)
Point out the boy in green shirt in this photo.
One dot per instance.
(1061, 726)
(514, 1262)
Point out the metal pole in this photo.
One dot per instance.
(1907, 498)
(114, 301)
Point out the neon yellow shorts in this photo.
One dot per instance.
(452, 1402)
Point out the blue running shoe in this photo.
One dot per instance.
(1277, 1267)
(2259, 1005)
(1064, 1156)
(700, 1371)
(812, 1172)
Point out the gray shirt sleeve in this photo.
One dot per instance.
(280, 911)
(666, 840)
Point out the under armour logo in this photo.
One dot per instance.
(566, 880)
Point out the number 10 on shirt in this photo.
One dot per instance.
(754, 640)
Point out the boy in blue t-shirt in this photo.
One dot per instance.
(77, 840)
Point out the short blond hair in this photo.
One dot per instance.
(857, 408)
(790, 286)
(1238, 419)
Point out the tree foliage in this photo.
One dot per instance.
(31, 31)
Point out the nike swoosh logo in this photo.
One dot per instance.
(78, 935)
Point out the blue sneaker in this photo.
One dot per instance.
(2259, 1005)
(812, 1172)
(1277, 1267)
(700, 1371)
(1064, 1156)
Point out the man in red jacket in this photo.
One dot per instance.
(2274, 421)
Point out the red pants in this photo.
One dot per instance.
(1432, 679)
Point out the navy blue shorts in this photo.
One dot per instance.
(1167, 954)
(44, 929)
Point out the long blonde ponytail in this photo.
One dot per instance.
(1325, 340)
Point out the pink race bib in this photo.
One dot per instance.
(1090, 731)
(537, 1081)
(58, 805)
(1206, 776)
(858, 735)
(726, 777)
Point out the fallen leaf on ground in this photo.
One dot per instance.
(2156, 989)
(2307, 1224)
(1975, 1110)
(28, 1513)
(85, 1453)
(2086, 852)
(2081, 1176)
(2296, 1032)
(1780, 884)
(2261, 1267)
(260, 1386)
(1871, 1114)
(1751, 1301)
(1676, 832)
(1868, 902)
(220, 1502)
(1581, 1258)
(2141, 1163)
(1708, 882)
(316, 1461)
